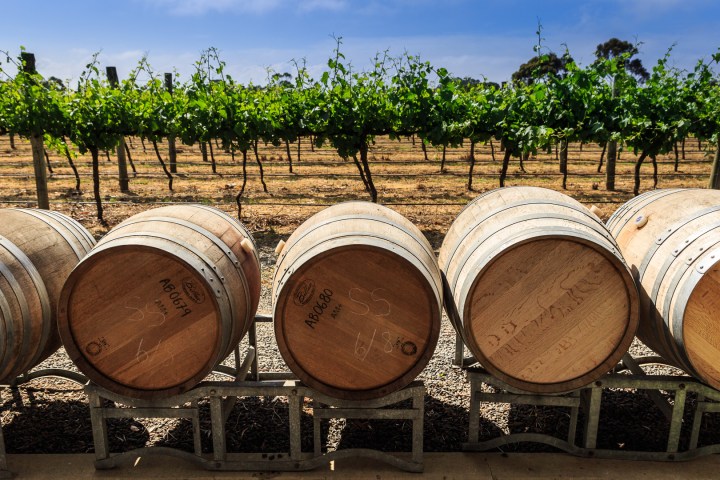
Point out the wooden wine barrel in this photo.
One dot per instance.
(537, 289)
(163, 298)
(38, 250)
(671, 240)
(357, 300)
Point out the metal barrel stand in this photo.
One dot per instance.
(325, 408)
(248, 381)
(179, 406)
(222, 396)
(589, 398)
(4, 472)
(24, 378)
(506, 394)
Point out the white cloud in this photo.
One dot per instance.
(332, 5)
(199, 7)
(259, 7)
(645, 9)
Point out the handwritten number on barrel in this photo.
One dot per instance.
(381, 308)
(362, 351)
(143, 355)
(139, 313)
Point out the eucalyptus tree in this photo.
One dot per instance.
(541, 66)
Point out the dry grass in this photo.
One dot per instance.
(405, 181)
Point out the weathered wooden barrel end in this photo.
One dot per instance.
(38, 250)
(357, 301)
(163, 298)
(671, 240)
(537, 289)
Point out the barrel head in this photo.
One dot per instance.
(356, 321)
(137, 318)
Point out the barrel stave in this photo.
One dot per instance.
(41, 247)
(541, 296)
(669, 238)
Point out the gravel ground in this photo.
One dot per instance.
(52, 416)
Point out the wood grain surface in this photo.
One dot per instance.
(38, 250)
(357, 301)
(540, 294)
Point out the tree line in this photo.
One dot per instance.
(550, 102)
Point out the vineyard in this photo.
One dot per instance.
(403, 133)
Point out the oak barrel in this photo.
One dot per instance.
(162, 299)
(671, 240)
(38, 250)
(357, 301)
(537, 289)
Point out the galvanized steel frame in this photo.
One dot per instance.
(4, 472)
(589, 398)
(24, 378)
(222, 397)
(248, 381)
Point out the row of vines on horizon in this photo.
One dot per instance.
(605, 102)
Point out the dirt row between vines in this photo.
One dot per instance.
(52, 416)
(404, 180)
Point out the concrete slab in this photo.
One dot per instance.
(441, 466)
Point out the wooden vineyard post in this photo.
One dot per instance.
(38, 150)
(715, 172)
(611, 157)
(172, 153)
(122, 160)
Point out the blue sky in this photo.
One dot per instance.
(470, 38)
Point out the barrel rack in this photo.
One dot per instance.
(24, 378)
(222, 396)
(589, 398)
(247, 381)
